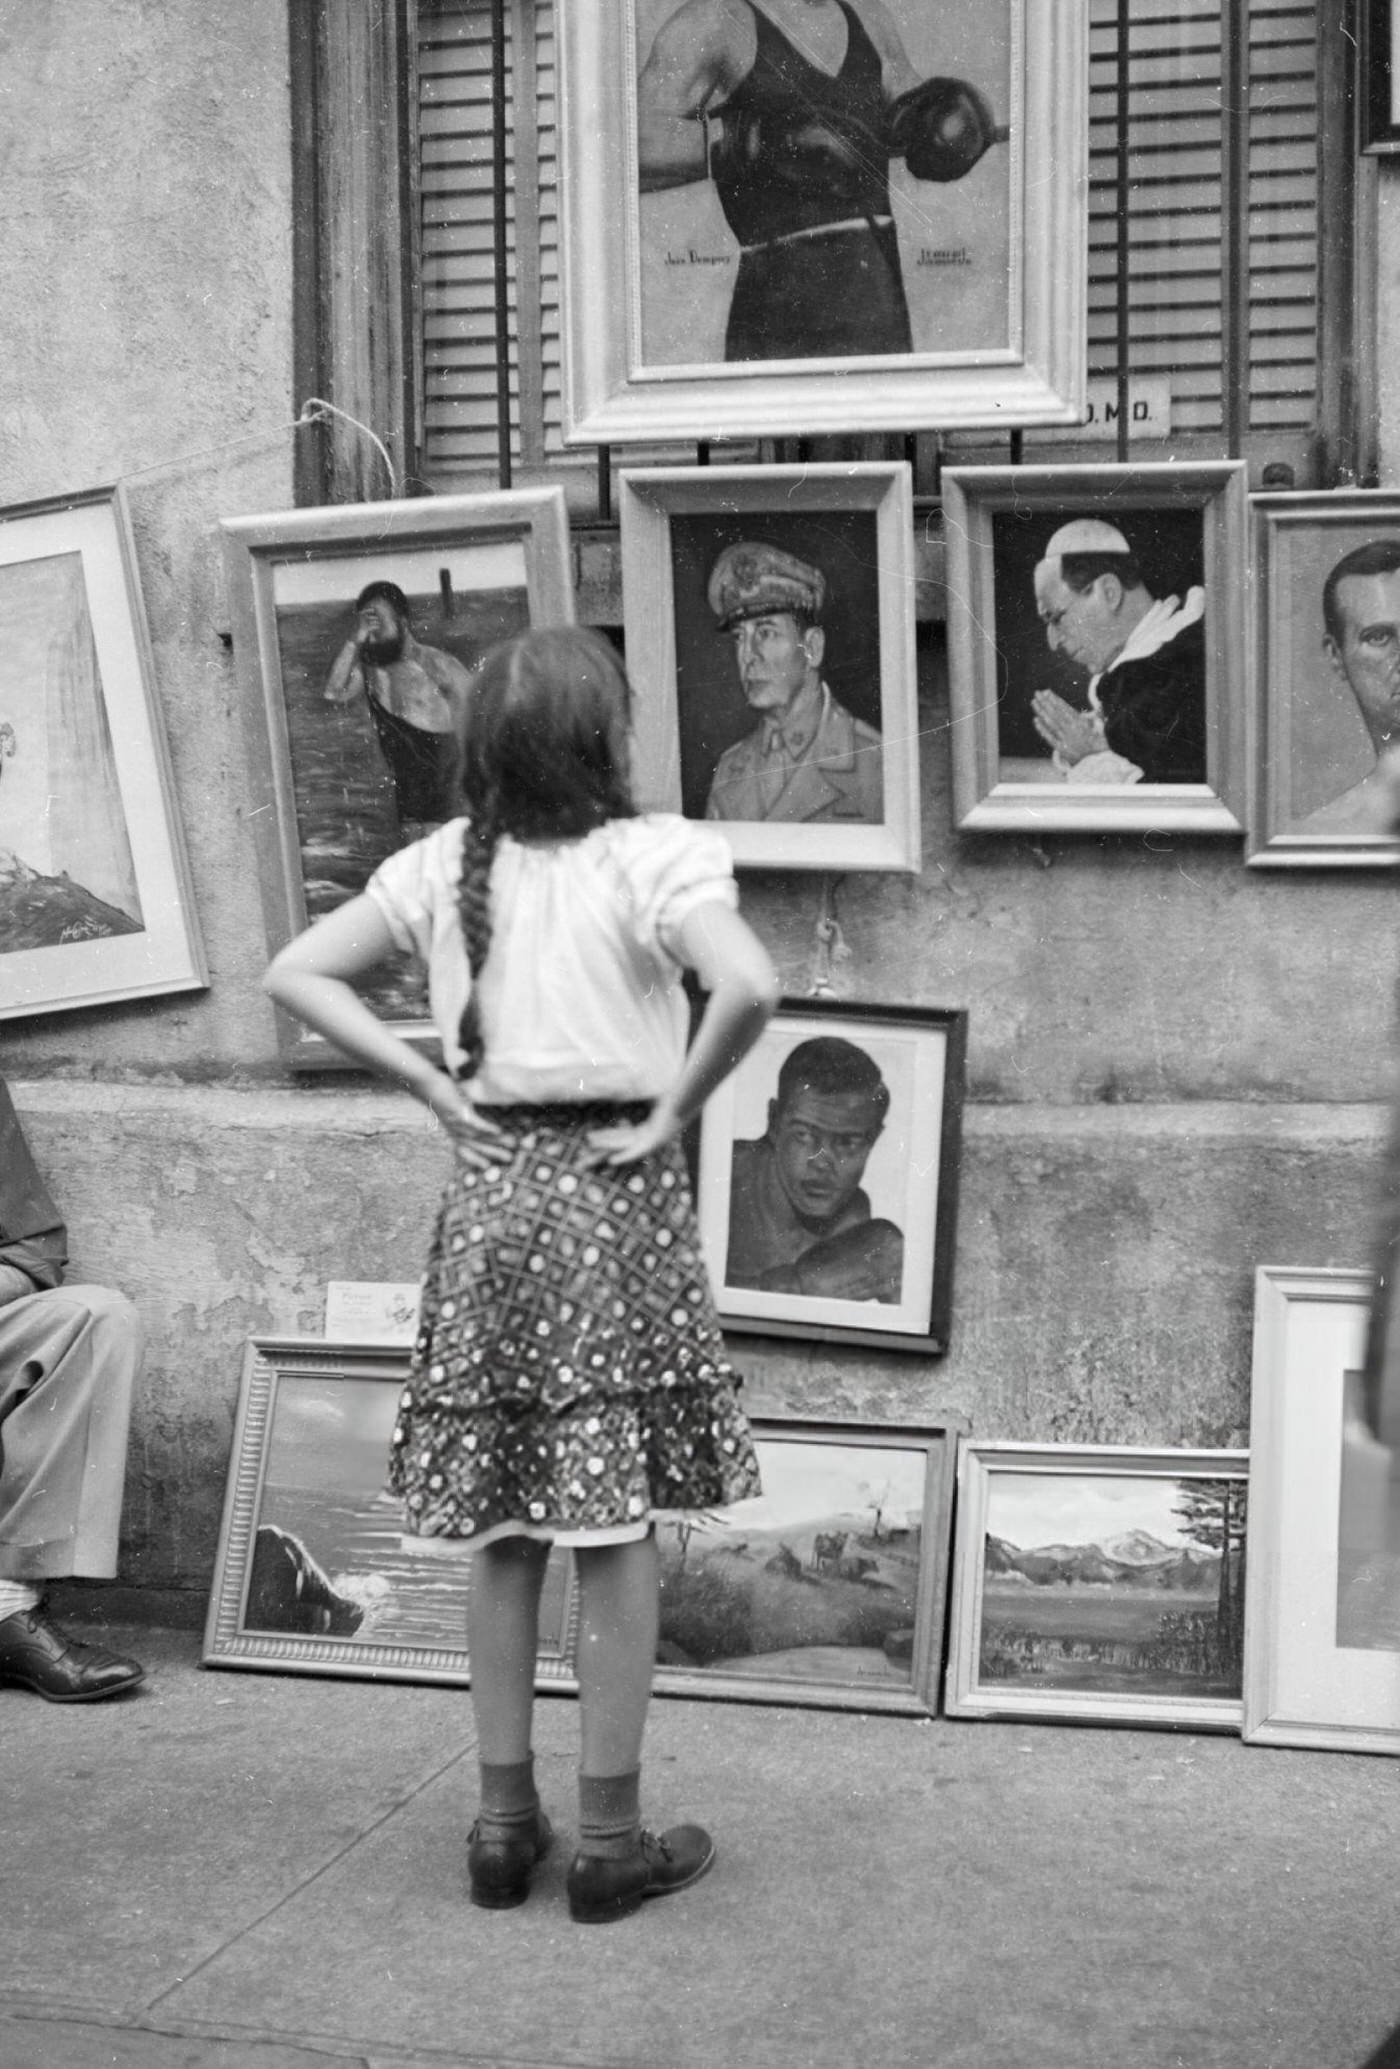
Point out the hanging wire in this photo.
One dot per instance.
(829, 949)
(315, 410)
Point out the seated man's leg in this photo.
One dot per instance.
(68, 1361)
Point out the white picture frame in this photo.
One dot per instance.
(1317, 799)
(1004, 340)
(473, 569)
(96, 899)
(1304, 1685)
(854, 521)
(1187, 525)
(1082, 1590)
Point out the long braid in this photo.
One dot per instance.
(541, 760)
(479, 840)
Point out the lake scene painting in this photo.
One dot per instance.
(1113, 1584)
(811, 1591)
(328, 1556)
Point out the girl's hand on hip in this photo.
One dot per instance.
(477, 1141)
(628, 1142)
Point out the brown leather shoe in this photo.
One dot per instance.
(601, 1890)
(35, 1654)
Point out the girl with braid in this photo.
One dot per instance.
(569, 1379)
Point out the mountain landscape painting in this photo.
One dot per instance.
(1113, 1584)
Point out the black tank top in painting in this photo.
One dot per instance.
(785, 90)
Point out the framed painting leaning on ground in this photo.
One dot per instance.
(1327, 679)
(312, 1574)
(1096, 647)
(1322, 1609)
(1098, 1584)
(355, 630)
(770, 644)
(796, 219)
(829, 1587)
(96, 904)
(828, 1176)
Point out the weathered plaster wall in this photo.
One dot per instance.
(1175, 1063)
(145, 281)
(1103, 1279)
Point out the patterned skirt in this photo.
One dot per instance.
(569, 1376)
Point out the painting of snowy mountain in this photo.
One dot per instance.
(1108, 1585)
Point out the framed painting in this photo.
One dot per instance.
(1327, 679)
(96, 904)
(826, 1589)
(781, 220)
(828, 1175)
(1378, 76)
(1096, 647)
(312, 1573)
(1322, 1609)
(770, 640)
(1099, 1584)
(355, 629)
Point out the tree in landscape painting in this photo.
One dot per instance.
(1212, 1514)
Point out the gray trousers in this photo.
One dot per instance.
(68, 1362)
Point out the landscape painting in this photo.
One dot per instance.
(314, 1573)
(1100, 1582)
(825, 1589)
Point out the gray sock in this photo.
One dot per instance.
(609, 1815)
(509, 1803)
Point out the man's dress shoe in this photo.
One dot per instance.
(35, 1654)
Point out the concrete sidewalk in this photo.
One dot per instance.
(246, 1871)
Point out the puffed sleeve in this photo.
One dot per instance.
(410, 884)
(674, 865)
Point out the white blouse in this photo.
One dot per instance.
(580, 994)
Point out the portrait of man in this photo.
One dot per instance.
(807, 758)
(800, 1220)
(375, 650)
(1361, 640)
(414, 693)
(793, 112)
(1142, 657)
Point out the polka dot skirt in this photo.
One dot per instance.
(569, 1371)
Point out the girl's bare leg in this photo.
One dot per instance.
(619, 1616)
(503, 1636)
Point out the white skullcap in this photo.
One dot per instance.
(1085, 535)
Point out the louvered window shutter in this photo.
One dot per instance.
(457, 284)
(1179, 283)
(1179, 257)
